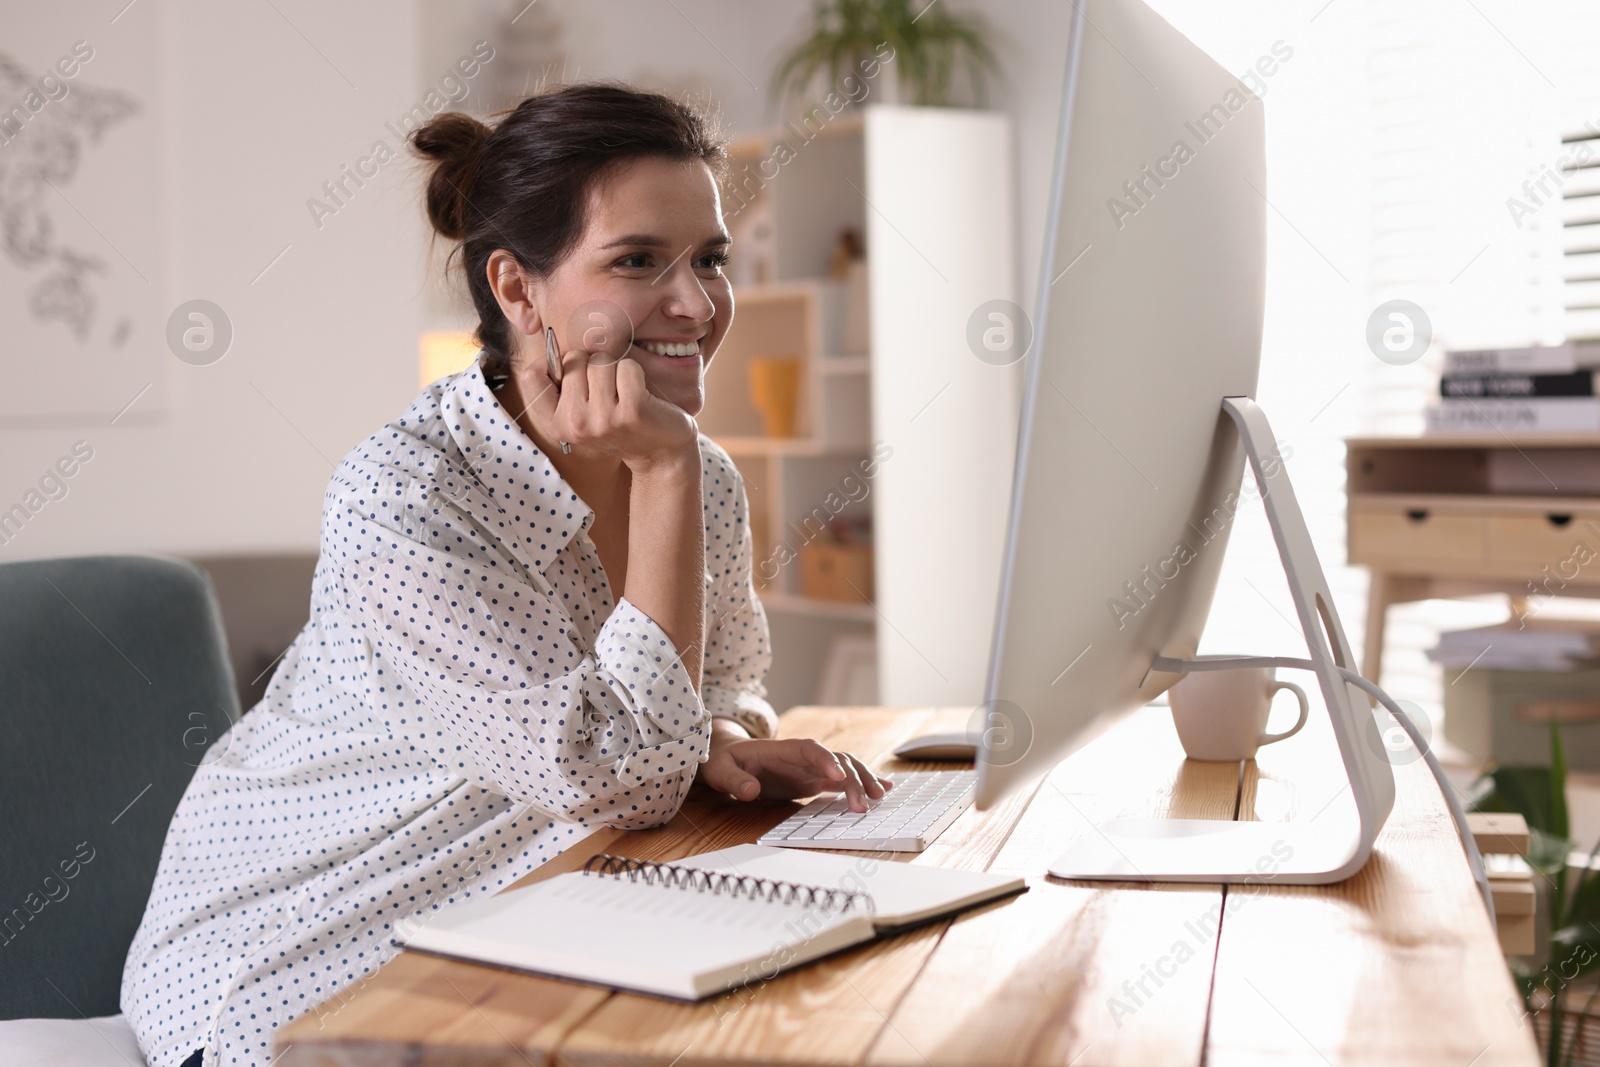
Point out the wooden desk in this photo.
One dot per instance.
(1454, 515)
(1398, 965)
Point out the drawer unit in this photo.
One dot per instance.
(1384, 533)
(1537, 538)
(1452, 515)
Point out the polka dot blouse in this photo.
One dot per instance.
(466, 700)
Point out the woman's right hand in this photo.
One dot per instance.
(786, 768)
(605, 404)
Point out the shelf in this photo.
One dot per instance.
(760, 145)
(805, 605)
(845, 364)
(775, 292)
(1566, 466)
(1478, 440)
(1477, 503)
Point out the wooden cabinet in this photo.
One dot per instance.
(1460, 515)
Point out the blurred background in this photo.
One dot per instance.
(217, 279)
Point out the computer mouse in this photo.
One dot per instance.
(958, 745)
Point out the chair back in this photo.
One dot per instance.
(114, 683)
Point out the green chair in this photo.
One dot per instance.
(114, 682)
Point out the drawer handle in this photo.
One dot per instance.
(1561, 519)
(1417, 514)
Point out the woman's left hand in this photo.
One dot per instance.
(749, 768)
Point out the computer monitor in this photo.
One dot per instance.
(1129, 464)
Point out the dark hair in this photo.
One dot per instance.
(523, 184)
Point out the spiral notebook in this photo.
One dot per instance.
(701, 925)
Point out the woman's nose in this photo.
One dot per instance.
(686, 297)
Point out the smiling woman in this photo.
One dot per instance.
(508, 645)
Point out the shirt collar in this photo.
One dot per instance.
(503, 480)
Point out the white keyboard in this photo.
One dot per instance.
(912, 814)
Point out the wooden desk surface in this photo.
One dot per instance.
(1397, 965)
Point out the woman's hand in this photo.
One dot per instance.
(603, 403)
(748, 768)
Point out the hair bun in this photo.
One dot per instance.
(455, 142)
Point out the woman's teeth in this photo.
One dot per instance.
(663, 348)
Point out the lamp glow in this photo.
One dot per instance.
(444, 352)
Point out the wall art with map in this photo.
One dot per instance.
(81, 214)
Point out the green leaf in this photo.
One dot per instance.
(1558, 784)
(928, 41)
(1574, 951)
(1583, 911)
(1481, 796)
(1580, 909)
(1524, 790)
(1547, 852)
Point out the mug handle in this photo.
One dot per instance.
(1305, 711)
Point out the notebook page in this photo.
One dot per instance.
(638, 935)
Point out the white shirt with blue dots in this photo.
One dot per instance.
(466, 701)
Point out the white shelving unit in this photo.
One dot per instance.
(910, 430)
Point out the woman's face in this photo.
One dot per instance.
(650, 261)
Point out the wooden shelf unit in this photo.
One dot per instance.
(876, 350)
(785, 219)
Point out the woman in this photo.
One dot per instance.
(510, 644)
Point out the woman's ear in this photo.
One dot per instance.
(515, 291)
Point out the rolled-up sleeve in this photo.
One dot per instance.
(487, 673)
(738, 642)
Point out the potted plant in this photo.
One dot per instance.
(928, 41)
(1569, 896)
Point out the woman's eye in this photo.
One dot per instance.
(714, 261)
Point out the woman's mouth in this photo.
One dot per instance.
(671, 349)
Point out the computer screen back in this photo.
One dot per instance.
(1149, 313)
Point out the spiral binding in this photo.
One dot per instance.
(734, 885)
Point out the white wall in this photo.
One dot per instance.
(260, 110)
(943, 497)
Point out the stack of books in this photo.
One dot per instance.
(1543, 389)
(1528, 645)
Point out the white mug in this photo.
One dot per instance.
(1222, 715)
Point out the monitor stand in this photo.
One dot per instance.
(1303, 853)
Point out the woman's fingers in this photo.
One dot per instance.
(604, 400)
(875, 787)
(793, 768)
(814, 758)
(603, 378)
(843, 771)
(632, 387)
(593, 383)
(855, 789)
(740, 782)
(575, 378)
